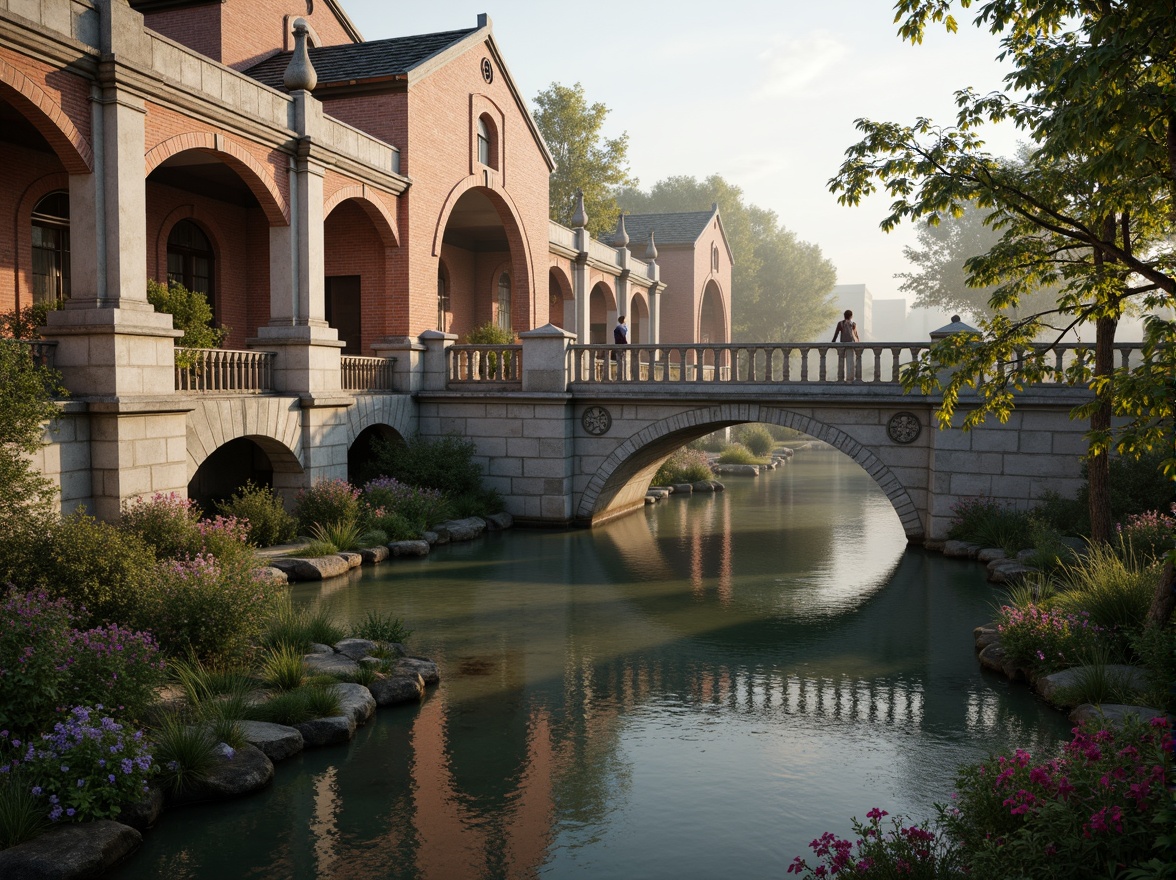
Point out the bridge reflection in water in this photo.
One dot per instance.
(709, 685)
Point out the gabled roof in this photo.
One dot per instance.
(668, 229)
(362, 62)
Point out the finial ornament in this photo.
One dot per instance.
(580, 218)
(300, 74)
(621, 239)
(651, 248)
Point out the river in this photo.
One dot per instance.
(694, 691)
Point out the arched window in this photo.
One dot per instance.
(715, 257)
(190, 259)
(51, 247)
(483, 141)
(442, 302)
(504, 301)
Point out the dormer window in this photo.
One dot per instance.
(483, 141)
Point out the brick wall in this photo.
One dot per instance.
(353, 247)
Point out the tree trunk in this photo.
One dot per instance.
(1099, 461)
(1164, 600)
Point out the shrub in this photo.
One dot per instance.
(377, 627)
(1046, 641)
(446, 464)
(206, 609)
(757, 438)
(23, 815)
(715, 442)
(325, 503)
(190, 313)
(684, 466)
(737, 453)
(986, 522)
(227, 539)
(262, 508)
(491, 334)
(1089, 813)
(344, 534)
(166, 523)
(905, 850)
(480, 502)
(1136, 485)
(296, 706)
(114, 667)
(300, 628)
(1068, 515)
(186, 753)
(282, 669)
(87, 768)
(1115, 592)
(92, 564)
(395, 527)
(1156, 649)
(419, 506)
(1149, 535)
(315, 549)
(24, 323)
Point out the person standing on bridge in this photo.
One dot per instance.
(845, 332)
(620, 337)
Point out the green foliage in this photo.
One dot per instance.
(918, 851)
(1068, 516)
(377, 627)
(481, 502)
(396, 527)
(782, 286)
(1156, 649)
(1089, 813)
(344, 534)
(988, 523)
(1046, 640)
(326, 502)
(1135, 486)
(303, 704)
(490, 334)
(24, 323)
(26, 404)
(446, 463)
(421, 508)
(300, 628)
(203, 684)
(756, 437)
(23, 815)
(265, 512)
(190, 312)
(315, 549)
(715, 442)
(737, 453)
(683, 466)
(1096, 683)
(374, 537)
(281, 668)
(186, 754)
(1148, 536)
(166, 523)
(585, 160)
(1114, 591)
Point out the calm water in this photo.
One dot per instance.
(693, 691)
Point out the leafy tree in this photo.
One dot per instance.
(24, 323)
(190, 313)
(781, 286)
(585, 160)
(1091, 209)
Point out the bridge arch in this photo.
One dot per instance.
(622, 479)
(273, 423)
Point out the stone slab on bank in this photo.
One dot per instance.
(70, 852)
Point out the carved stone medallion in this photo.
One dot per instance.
(596, 420)
(904, 427)
(487, 70)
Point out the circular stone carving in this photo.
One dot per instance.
(596, 420)
(904, 427)
(487, 70)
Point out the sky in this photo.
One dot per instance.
(762, 92)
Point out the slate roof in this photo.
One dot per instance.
(680, 228)
(361, 61)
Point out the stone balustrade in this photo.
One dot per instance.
(495, 364)
(215, 370)
(366, 373)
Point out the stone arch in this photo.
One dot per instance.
(397, 411)
(503, 201)
(382, 219)
(273, 423)
(711, 319)
(44, 112)
(252, 172)
(639, 454)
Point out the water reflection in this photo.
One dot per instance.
(707, 685)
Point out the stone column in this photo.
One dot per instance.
(580, 291)
(409, 370)
(545, 358)
(435, 375)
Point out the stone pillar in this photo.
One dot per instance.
(580, 292)
(545, 358)
(435, 376)
(410, 362)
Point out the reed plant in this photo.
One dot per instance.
(282, 669)
(1115, 591)
(202, 684)
(1096, 683)
(381, 627)
(737, 453)
(23, 815)
(301, 628)
(185, 753)
(344, 534)
(302, 704)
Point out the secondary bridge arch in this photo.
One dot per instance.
(620, 481)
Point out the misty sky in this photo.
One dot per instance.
(763, 92)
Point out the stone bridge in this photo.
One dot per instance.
(567, 433)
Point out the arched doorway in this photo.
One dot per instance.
(602, 307)
(560, 303)
(639, 329)
(363, 454)
(227, 469)
(712, 316)
(356, 243)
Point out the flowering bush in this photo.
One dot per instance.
(1148, 535)
(1046, 641)
(904, 851)
(45, 661)
(166, 522)
(1088, 813)
(206, 607)
(263, 510)
(684, 466)
(87, 768)
(386, 496)
(326, 502)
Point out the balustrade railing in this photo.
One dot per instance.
(366, 373)
(495, 364)
(223, 370)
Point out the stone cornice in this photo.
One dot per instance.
(51, 47)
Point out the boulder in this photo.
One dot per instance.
(462, 529)
(433, 538)
(336, 730)
(329, 664)
(315, 568)
(426, 669)
(1114, 713)
(69, 851)
(320, 648)
(496, 522)
(372, 555)
(1005, 571)
(355, 701)
(985, 635)
(143, 813)
(273, 575)
(1049, 686)
(396, 689)
(276, 741)
(994, 658)
(237, 772)
(353, 559)
(683, 488)
(355, 649)
(959, 549)
(989, 554)
(408, 548)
